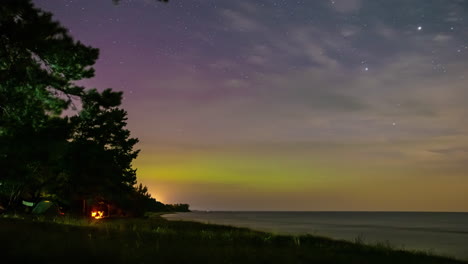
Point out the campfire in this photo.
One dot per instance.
(97, 214)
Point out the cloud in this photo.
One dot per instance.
(308, 82)
(248, 7)
(240, 21)
(453, 150)
(346, 6)
(256, 59)
(313, 88)
(385, 31)
(318, 55)
(349, 30)
(236, 83)
(309, 43)
(442, 38)
(223, 64)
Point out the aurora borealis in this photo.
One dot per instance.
(289, 105)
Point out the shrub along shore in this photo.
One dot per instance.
(156, 240)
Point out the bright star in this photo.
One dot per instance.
(419, 28)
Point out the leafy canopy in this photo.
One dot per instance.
(43, 152)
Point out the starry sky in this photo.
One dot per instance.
(289, 105)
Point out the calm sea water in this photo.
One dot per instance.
(440, 233)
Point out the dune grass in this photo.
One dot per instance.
(156, 240)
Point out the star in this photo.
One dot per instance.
(419, 28)
(366, 69)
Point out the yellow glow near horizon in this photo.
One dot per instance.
(333, 180)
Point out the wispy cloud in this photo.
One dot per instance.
(346, 6)
(240, 21)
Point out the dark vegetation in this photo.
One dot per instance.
(155, 240)
(85, 155)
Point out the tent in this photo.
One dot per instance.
(46, 207)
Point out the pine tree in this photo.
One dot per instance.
(39, 64)
(101, 150)
(42, 152)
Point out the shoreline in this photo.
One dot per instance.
(156, 239)
(410, 237)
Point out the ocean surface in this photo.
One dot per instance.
(439, 233)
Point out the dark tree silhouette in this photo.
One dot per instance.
(42, 152)
(39, 63)
(101, 151)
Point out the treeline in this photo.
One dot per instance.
(143, 202)
(86, 154)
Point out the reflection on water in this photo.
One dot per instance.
(441, 233)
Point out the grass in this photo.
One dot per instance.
(156, 240)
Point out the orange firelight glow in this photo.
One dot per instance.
(97, 214)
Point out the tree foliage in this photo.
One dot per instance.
(39, 62)
(43, 152)
(103, 145)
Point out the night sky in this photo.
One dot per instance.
(289, 105)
